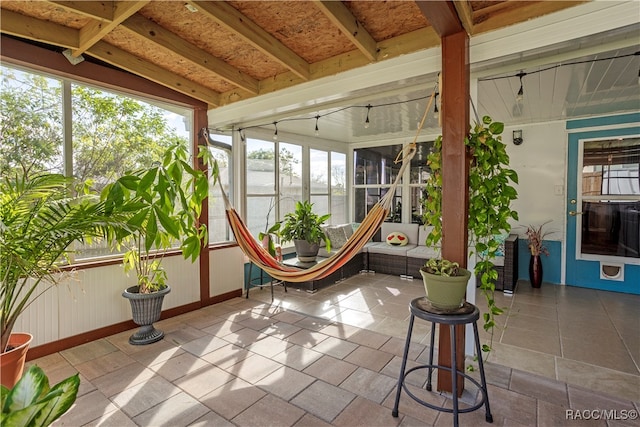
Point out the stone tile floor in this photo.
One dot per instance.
(332, 358)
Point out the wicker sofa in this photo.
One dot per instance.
(405, 261)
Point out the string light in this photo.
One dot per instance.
(520, 95)
(275, 134)
(317, 131)
(366, 122)
(369, 106)
(436, 112)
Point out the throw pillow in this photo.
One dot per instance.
(337, 236)
(397, 238)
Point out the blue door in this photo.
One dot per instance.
(603, 203)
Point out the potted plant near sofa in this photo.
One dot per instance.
(39, 220)
(490, 196)
(304, 228)
(166, 200)
(445, 283)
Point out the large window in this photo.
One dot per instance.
(374, 171)
(220, 147)
(418, 174)
(96, 135)
(611, 198)
(276, 180)
(31, 125)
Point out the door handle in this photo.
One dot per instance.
(574, 213)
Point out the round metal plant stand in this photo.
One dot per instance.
(146, 309)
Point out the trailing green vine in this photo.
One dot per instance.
(490, 196)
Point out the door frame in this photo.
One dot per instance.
(586, 272)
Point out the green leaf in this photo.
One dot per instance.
(151, 231)
(28, 389)
(168, 223)
(129, 181)
(58, 400)
(147, 179)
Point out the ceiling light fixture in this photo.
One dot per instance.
(520, 95)
(366, 122)
(317, 131)
(517, 137)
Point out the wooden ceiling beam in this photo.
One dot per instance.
(93, 32)
(102, 10)
(126, 61)
(465, 13)
(503, 14)
(30, 28)
(168, 40)
(230, 18)
(442, 16)
(342, 18)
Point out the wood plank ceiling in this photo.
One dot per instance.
(221, 52)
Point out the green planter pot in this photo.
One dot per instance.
(446, 293)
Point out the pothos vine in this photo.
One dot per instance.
(491, 192)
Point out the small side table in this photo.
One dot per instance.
(272, 281)
(468, 313)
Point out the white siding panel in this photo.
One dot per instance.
(93, 300)
(226, 270)
(183, 277)
(40, 319)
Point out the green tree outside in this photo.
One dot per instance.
(111, 133)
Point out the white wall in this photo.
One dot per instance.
(91, 298)
(226, 272)
(541, 165)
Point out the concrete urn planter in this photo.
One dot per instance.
(146, 309)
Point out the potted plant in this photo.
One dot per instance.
(167, 201)
(535, 240)
(490, 196)
(39, 220)
(32, 402)
(445, 283)
(304, 228)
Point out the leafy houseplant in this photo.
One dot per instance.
(39, 220)
(490, 196)
(303, 225)
(445, 283)
(32, 402)
(166, 202)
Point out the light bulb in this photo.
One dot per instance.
(366, 122)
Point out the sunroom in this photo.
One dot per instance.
(294, 100)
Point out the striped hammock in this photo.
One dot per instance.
(365, 232)
(369, 226)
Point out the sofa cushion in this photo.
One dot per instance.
(397, 238)
(410, 230)
(383, 248)
(424, 252)
(423, 233)
(336, 234)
